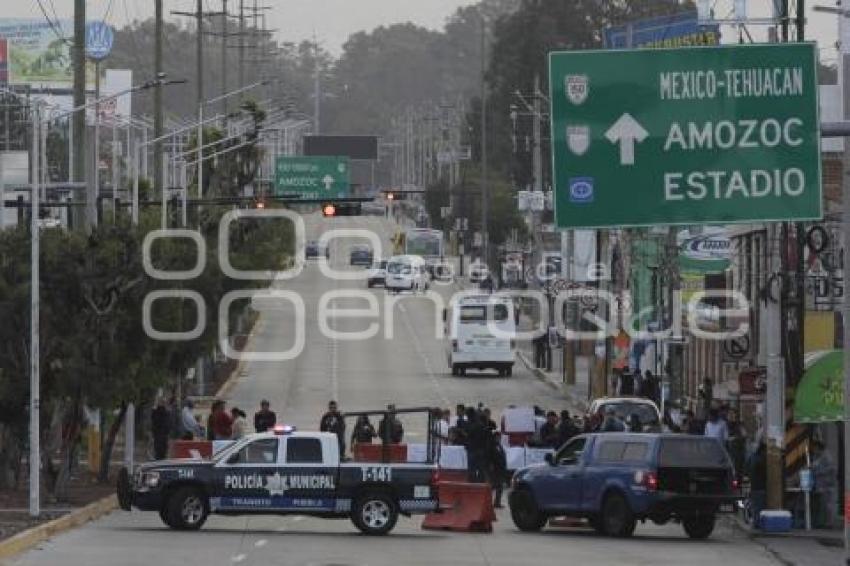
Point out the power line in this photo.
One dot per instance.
(52, 25)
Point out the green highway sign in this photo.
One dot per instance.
(302, 177)
(685, 136)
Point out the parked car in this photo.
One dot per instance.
(646, 410)
(361, 255)
(616, 479)
(378, 274)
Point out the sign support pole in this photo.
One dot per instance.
(845, 207)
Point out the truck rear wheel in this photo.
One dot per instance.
(186, 509)
(525, 513)
(699, 527)
(617, 519)
(375, 513)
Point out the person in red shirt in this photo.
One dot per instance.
(220, 423)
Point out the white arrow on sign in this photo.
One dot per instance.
(626, 131)
(328, 181)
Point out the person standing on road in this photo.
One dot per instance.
(219, 424)
(627, 384)
(612, 423)
(826, 485)
(240, 425)
(191, 428)
(477, 447)
(160, 429)
(332, 421)
(550, 431)
(716, 427)
(265, 418)
(498, 462)
(566, 428)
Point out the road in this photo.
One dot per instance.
(404, 363)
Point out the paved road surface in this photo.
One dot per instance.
(407, 369)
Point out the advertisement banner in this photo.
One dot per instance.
(678, 30)
(39, 54)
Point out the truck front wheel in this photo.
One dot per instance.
(525, 513)
(186, 509)
(375, 513)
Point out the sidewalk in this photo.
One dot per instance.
(799, 547)
(552, 379)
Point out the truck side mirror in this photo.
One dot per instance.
(445, 315)
(234, 458)
(549, 458)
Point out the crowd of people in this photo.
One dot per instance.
(169, 423)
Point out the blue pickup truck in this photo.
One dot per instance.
(616, 479)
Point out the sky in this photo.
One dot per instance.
(332, 21)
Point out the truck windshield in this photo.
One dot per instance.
(399, 268)
(478, 313)
(693, 452)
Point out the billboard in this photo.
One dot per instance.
(39, 54)
(353, 147)
(677, 30)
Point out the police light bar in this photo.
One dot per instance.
(283, 429)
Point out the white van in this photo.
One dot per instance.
(481, 331)
(406, 273)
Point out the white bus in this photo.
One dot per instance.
(481, 331)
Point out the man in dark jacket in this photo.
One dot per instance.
(160, 429)
(477, 445)
(390, 429)
(566, 428)
(498, 468)
(332, 421)
(265, 418)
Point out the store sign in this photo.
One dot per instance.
(678, 30)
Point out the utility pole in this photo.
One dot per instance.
(35, 404)
(224, 35)
(241, 43)
(199, 56)
(317, 89)
(79, 118)
(157, 101)
(485, 197)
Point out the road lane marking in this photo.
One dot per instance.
(238, 558)
(429, 369)
(261, 543)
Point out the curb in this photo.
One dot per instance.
(559, 387)
(29, 538)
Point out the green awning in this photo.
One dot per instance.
(820, 394)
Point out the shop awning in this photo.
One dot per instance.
(820, 394)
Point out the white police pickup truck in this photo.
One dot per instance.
(281, 472)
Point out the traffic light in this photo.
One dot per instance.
(341, 209)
